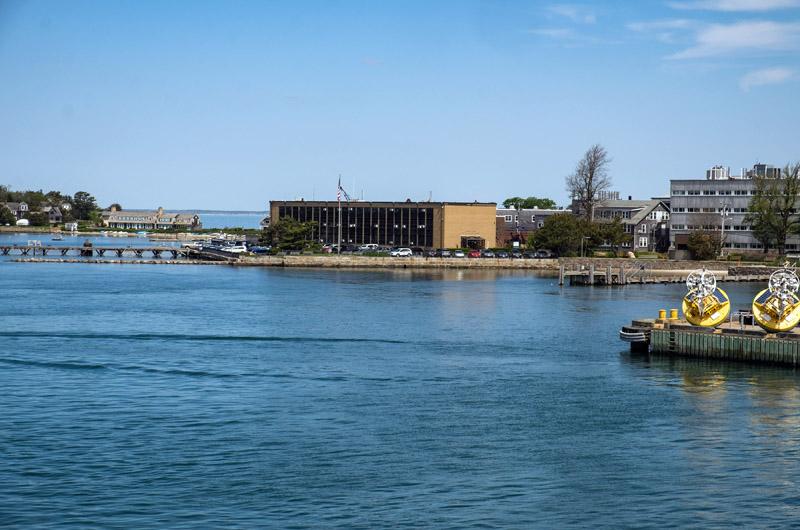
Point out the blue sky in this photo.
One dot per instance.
(232, 104)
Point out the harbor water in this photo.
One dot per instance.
(196, 397)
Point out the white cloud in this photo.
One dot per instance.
(663, 30)
(736, 5)
(575, 13)
(766, 76)
(743, 37)
(555, 33)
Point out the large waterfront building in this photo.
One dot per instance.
(399, 224)
(703, 204)
(150, 219)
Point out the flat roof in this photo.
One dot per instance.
(379, 204)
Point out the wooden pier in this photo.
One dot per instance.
(90, 251)
(609, 275)
(732, 341)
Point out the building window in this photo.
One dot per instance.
(709, 192)
(679, 192)
(508, 218)
(678, 227)
(693, 192)
(643, 228)
(642, 241)
(533, 218)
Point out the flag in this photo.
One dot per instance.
(340, 191)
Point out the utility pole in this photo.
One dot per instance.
(723, 212)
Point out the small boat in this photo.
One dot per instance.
(141, 234)
(57, 237)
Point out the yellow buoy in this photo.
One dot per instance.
(777, 308)
(705, 304)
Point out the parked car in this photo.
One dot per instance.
(443, 253)
(529, 254)
(487, 254)
(458, 253)
(430, 253)
(501, 254)
(543, 254)
(474, 253)
(260, 250)
(417, 251)
(401, 253)
(516, 254)
(368, 247)
(235, 249)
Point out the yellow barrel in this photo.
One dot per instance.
(662, 314)
(673, 314)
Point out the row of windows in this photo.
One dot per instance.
(681, 209)
(714, 192)
(360, 225)
(129, 218)
(735, 228)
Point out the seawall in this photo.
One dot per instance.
(366, 262)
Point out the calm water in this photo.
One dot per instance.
(232, 219)
(146, 396)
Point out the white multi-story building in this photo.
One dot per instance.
(704, 204)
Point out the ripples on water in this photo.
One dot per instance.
(191, 397)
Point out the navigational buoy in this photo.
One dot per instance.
(777, 308)
(705, 304)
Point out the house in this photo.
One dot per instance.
(53, 214)
(19, 209)
(518, 225)
(645, 220)
(149, 219)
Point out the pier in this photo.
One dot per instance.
(736, 340)
(90, 251)
(610, 272)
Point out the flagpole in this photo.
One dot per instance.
(339, 200)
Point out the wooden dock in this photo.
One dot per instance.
(641, 274)
(732, 341)
(90, 251)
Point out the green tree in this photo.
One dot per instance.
(561, 234)
(614, 234)
(6, 216)
(39, 219)
(772, 210)
(83, 204)
(761, 212)
(704, 244)
(116, 206)
(289, 234)
(529, 203)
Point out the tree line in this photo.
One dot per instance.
(80, 206)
